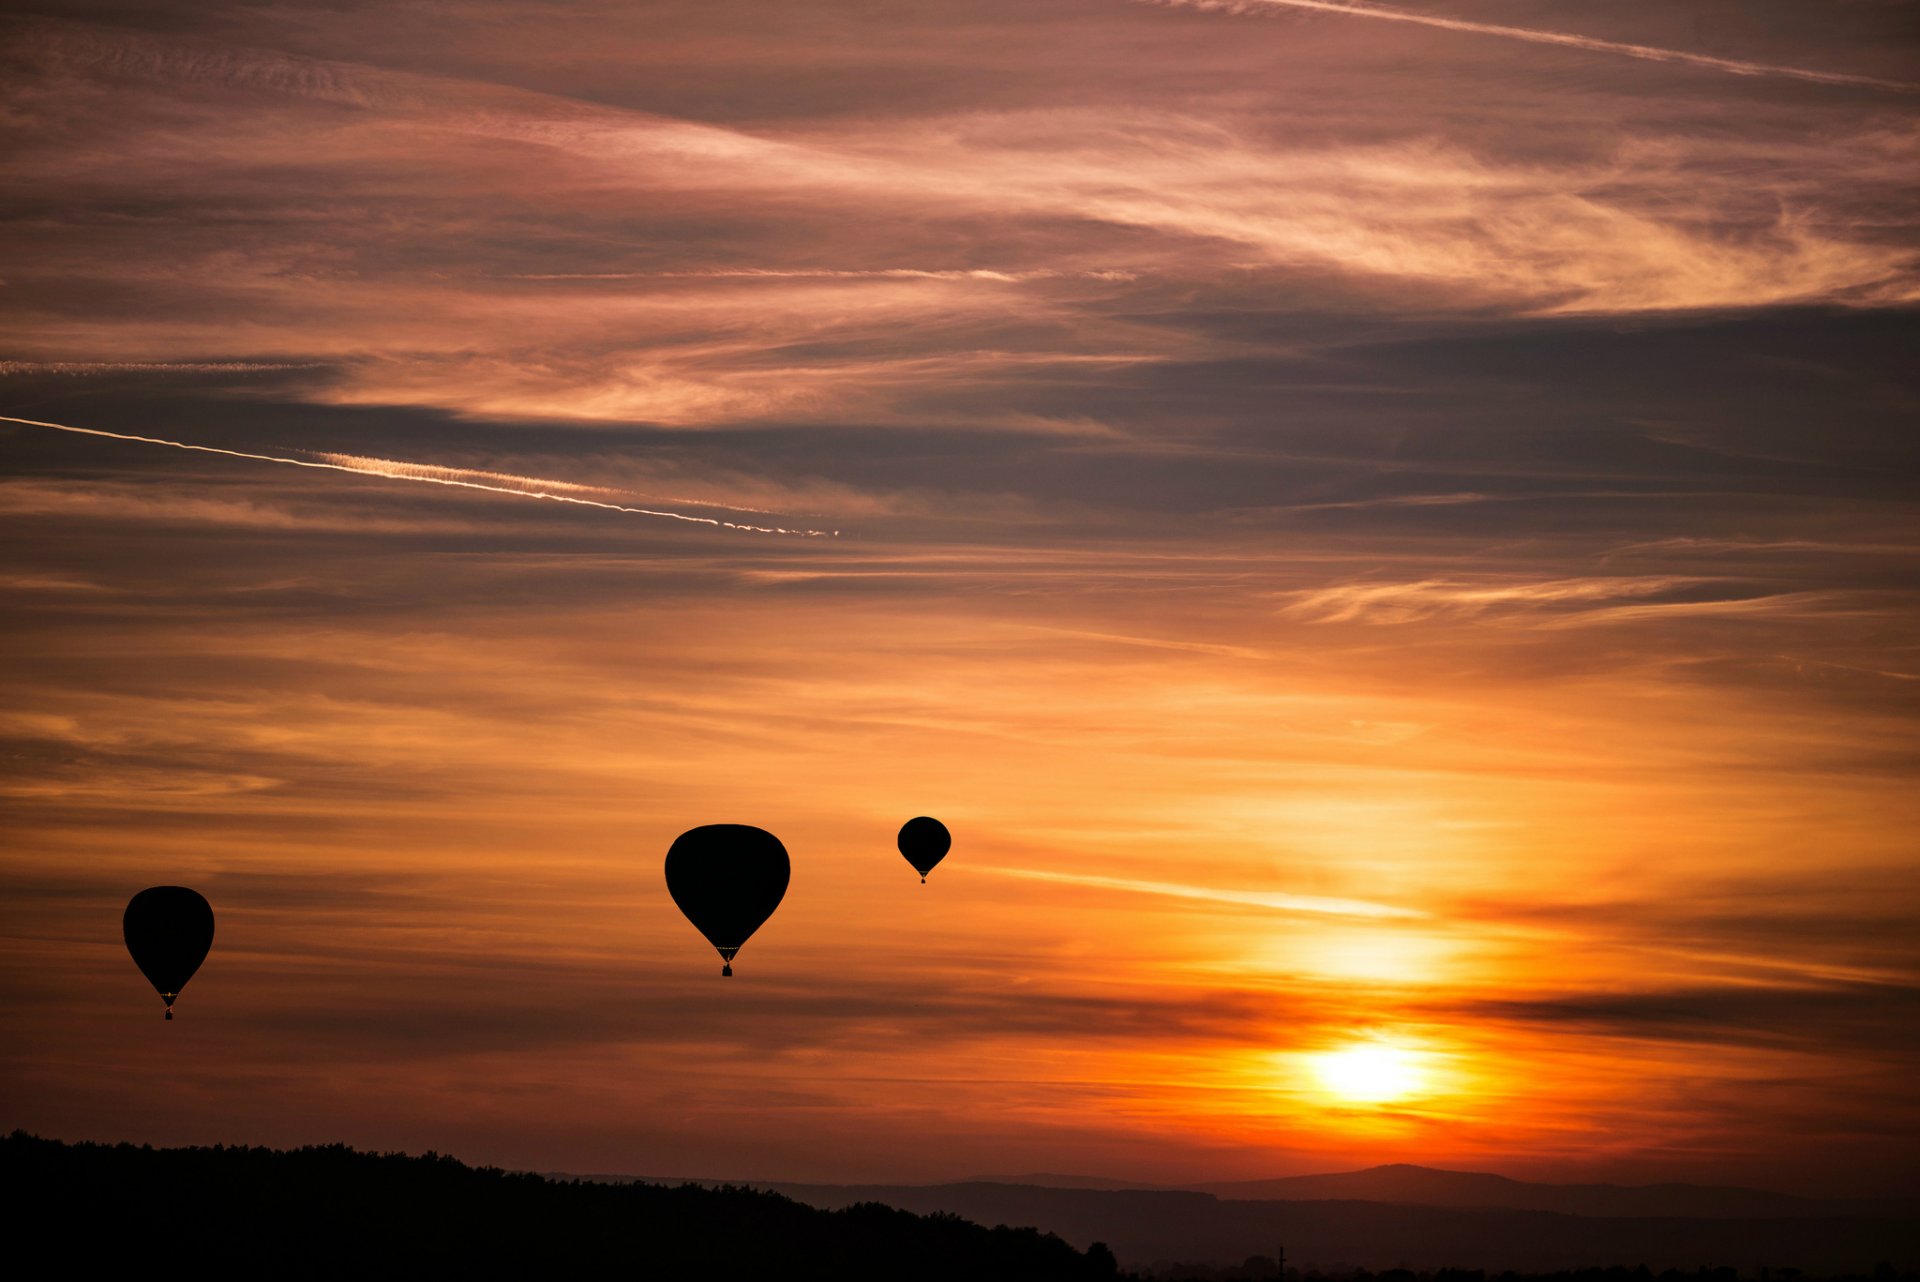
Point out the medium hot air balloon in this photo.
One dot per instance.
(924, 842)
(168, 930)
(727, 879)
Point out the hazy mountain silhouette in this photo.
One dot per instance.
(1048, 1180)
(1427, 1186)
(86, 1210)
(1405, 1184)
(1150, 1226)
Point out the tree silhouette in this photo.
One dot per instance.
(332, 1212)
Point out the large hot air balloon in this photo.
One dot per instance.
(727, 879)
(169, 930)
(924, 842)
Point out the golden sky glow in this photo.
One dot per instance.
(1389, 543)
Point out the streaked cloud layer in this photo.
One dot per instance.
(1369, 526)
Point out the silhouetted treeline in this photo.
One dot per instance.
(333, 1212)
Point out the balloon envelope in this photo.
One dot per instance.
(168, 930)
(925, 842)
(727, 879)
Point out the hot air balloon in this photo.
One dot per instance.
(168, 930)
(924, 842)
(727, 879)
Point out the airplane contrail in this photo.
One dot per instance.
(404, 471)
(828, 273)
(1592, 44)
(392, 470)
(149, 367)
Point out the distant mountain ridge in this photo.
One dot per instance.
(1049, 1180)
(1429, 1186)
(1401, 1214)
(1405, 1184)
(1149, 1228)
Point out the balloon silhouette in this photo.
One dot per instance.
(168, 930)
(727, 879)
(924, 842)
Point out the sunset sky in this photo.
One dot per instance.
(1390, 536)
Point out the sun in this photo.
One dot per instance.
(1370, 1073)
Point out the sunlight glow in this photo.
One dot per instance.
(1371, 1073)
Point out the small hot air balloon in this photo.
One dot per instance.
(924, 842)
(727, 879)
(168, 930)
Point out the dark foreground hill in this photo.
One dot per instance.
(1149, 1227)
(83, 1209)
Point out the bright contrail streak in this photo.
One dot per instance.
(148, 367)
(401, 471)
(827, 273)
(385, 468)
(1648, 53)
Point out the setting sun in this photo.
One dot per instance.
(1370, 1074)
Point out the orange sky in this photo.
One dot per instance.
(1375, 538)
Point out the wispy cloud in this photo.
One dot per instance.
(1117, 225)
(1275, 900)
(1409, 602)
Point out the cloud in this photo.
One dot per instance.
(1275, 900)
(691, 273)
(1413, 602)
(108, 506)
(1874, 1017)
